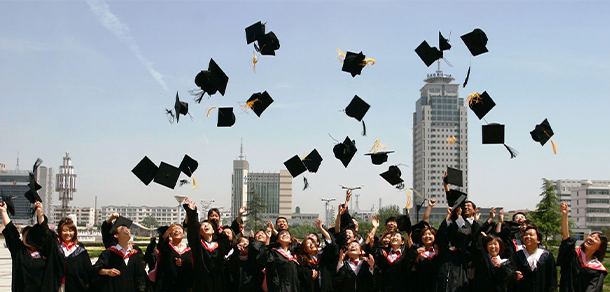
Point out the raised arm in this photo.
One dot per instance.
(445, 185)
(5, 219)
(342, 210)
(320, 227)
(500, 221)
(431, 204)
(39, 212)
(565, 228)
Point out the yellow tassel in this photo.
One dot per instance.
(249, 104)
(451, 140)
(254, 61)
(367, 61)
(409, 200)
(376, 146)
(473, 98)
(341, 55)
(210, 109)
(195, 185)
(418, 194)
(554, 147)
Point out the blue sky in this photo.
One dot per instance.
(94, 77)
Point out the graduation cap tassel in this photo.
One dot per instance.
(170, 115)
(554, 147)
(198, 94)
(512, 151)
(467, 76)
(409, 200)
(368, 61)
(305, 183)
(195, 185)
(341, 55)
(363, 128)
(210, 109)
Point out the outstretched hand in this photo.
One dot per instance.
(3, 207)
(564, 208)
(243, 210)
(375, 222)
(431, 202)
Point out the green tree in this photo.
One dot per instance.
(301, 231)
(364, 228)
(547, 216)
(256, 206)
(385, 213)
(150, 222)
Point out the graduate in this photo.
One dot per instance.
(28, 262)
(511, 232)
(120, 267)
(245, 272)
(280, 264)
(355, 271)
(582, 269)
(394, 264)
(209, 249)
(174, 269)
(317, 265)
(536, 265)
(454, 254)
(68, 261)
(425, 266)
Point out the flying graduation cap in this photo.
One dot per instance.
(188, 167)
(543, 133)
(8, 200)
(226, 117)
(167, 175)
(266, 43)
(32, 193)
(494, 134)
(210, 81)
(353, 63)
(480, 104)
(145, 170)
(476, 41)
(296, 166)
(258, 102)
(454, 177)
(345, 151)
(356, 109)
(456, 198)
(430, 54)
(378, 157)
(392, 176)
(180, 108)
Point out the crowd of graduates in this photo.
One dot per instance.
(464, 253)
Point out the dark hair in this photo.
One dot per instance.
(600, 253)
(213, 210)
(538, 234)
(303, 256)
(70, 224)
(278, 218)
(518, 214)
(427, 228)
(474, 206)
(316, 235)
(283, 230)
(489, 238)
(214, 227)
(391, 219)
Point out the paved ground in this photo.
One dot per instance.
(5, 267)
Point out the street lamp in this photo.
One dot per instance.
(180, 199)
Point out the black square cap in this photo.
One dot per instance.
(353, 63)
(8, 200)
(253, 32)
(268, 44)
(145, 170)
(121, 221)
(456, 198)
(188, 165)
(542, 133)
(392, 175)
(161, 230)
(261, 102)
(37, 236)
(428, 54)
(345, 151)
(357, 108)
(295, 166)
(212, 80)
(416, 231)
(379, 157)
(443, 43)
(226, 117)
(454, 177)
(167, 175)
(482, 106)
(312, 161)
(32, 196)
(493, 134)
(181, 108)
(476, 41)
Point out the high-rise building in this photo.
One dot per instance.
(590, 206)
(440, 115)
(564, 187)
(45, 179)
(275, 189)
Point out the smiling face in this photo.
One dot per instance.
(310, 247)
(206, 228)
(349, 234)
(530, 239)
(214, 217)
(396, 240)
(281, 224)
(243, 243)
(519, 218)
(176, 232)
(67, 234)
(229, 233)
(385, 240)
(468, 209)
(284, 238)
(354, 250)
(428, 238)
(314, 238)
(260, 236)
(493, 248)
(391, 226)
(593, 242)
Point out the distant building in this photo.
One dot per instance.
(15, 183)
(163, 214)
(299, 218)
(45, 178)
(564, 187)
(84, 215)
(590, 206)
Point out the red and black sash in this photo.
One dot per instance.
(177, 250)
(594, 264)
(429, 253)
(209, 246)
(284, 254)
(390, 260)
(123, 254)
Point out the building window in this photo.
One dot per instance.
(597, 201)
(598, 192)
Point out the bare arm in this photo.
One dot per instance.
(431, 204)
(500, 221)
(112, 217)
(5, 219)
(445, 185)
(375, 223)
(342, 210)
(39, 212)
(565, 228)
(321, 229)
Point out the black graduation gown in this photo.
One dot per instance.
(246, 273)
(306, 281)
(27, 271)
(76, 267)
(424, 271)
(347, 281)
(169, 276)
(132, 277)
(454, 257)
(281, 272)
(543, 279)
(509, 233)
(575, 277)
(208, 262)
(328, 265)
(488, 277)
(394, 275)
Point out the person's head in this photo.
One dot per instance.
(493, 245)
(469, 209)
(67, 230)
(428, 235)
(24, 235)
(284, 238)
(396, 240)
(260, 236)
(175, 231)
(525, 224)
(207, 228)
(531, 237)
(350, 234)
(281, 223)
(356, 227)
(519, 217)
(229, 232)
(385, 239)
(391, 224)
(354, 250)
(313, 236)
(308, 246)
(122, 234)
(214, 216)
(243, 243)
(598, 242)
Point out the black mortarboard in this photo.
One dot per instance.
(8, 200)
(345, 151)
(476, 41)
(167, 175)
(454, 177)
(121, 221)
(212, 80)
(32, 196)
(542, 133)
(268, 44)
(36, 236)
(145, 170)
(226, 117)
(393, 175)
(455, 198)
(416, 230)
(181, 108)
(161, 230)
(312, 161)
(295, 166)
(443, 43)
(260, 102)
(379, 157)
(482, 105)
(428, 54)
(353, 63)
(188, 165)
(357, 108)
(253, 32)
(493, 134)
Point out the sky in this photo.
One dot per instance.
(93, 78)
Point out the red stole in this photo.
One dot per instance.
(123, 254)
(177, 250)
(284, 254)
(594, 264)
(210, 246)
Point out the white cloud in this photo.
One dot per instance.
(112, 22)
(20, 45)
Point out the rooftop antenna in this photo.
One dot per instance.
(17, 167)
(241, 150)
(327, 201)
